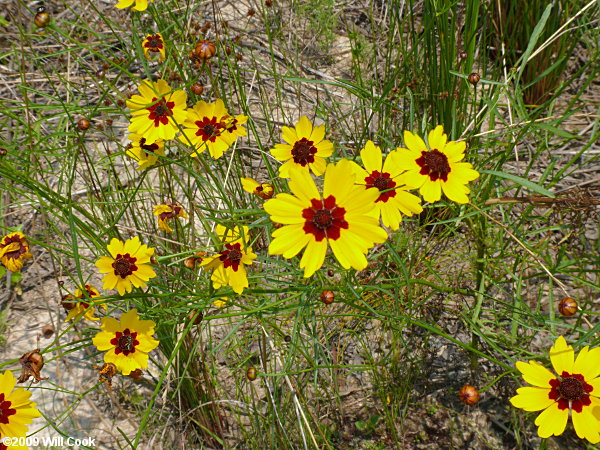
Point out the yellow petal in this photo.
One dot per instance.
(532, 398)
(431, 190)
(249, 184)
(437, 138)
(313, 257)
(536, 374)
(371, 157)
(302, 185)
(586, 423)
(289, 135)
(339, 181)
(587, 364)
(552, 421)
(318, 133)
(304, 128)
(414, 142)
(562, 356)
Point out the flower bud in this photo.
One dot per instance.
(567, 307)
(468, 394)
(327, 297)
(474, 78)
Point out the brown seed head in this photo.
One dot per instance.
(3, 152)
(190, 263)
(251, 12)
(463, 55)
(204, 50)
(83, 124)
(474, 78)
(468, 394)
(196, 317)
(31, 365)
(567, 307)
(327, 297)
(47, 331)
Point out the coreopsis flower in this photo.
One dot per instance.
(153, 44)
(140, 5)
(342, 218)
(209, 125)
(145, 152)
(126, 341)
(127, 265)
(14, 249)
(228, 266)
(575, 391)
(82, 303)
(220, 302)
(262, 190)
(393, 200)
(435, 168)
(17, 411)
(158, 111)
(305, 147)
(167, 211)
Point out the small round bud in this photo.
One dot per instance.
(251, 373)
(327, 297)
(197, 88)
(567, 307)
(153, 260)
(251, 12)
(100, 73)
(83, 124)
(190, 263)
(463, 55)
(330, 273)
(41, 19)
(61, 283)
(287, 338)
(474, 78)
(109, 122)
(3, 152)
(468, 394)
(47, 331)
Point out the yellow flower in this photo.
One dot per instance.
(342, 218)
(128, 265)
(229, 265)
(393, 200)
(220, 303)
(140, 5)
(14, 249)
(153, 44)
(436, 168)
(157, 111)
(126, 342)
(575, 392)
(144, 153)
(82, 305)
(262, 190)
(305, 147)
(209, 125)
(17, 411)
(166, 212)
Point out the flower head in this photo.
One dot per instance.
(342, 218)
(574, 391)
(16, 410)
(209, 125)
(437, 168)
(127, 265)
(153, 44)
(145, 152)
(262, 190)
(14, 249)
(126, 342)
(157, 112)
(140, 5)
(304, 148)
(82, 303)
(229, 265)
(393, 200)
(167, 211)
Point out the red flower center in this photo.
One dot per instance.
(160, 111)
(571, 390)
(208, 129)
(304, 152)
(5, 410)
(232, 256)
(154, 42)
(148, 148)
(383, 182)
(125, 342)
(124, 265)
(324, 219)
(16, 253)
(435, 164)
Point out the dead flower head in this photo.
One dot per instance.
(31, 364)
